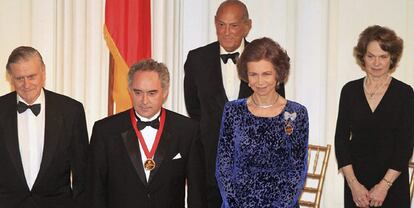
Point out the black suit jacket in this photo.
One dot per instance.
(116, 173)
(205, 97)
(65, 151)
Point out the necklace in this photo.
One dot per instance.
(371, 95)
(264, 106)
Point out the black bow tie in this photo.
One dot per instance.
(142, 124)
(232, 56)
(22, 107)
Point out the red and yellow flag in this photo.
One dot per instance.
(127, 33)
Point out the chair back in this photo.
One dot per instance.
(411, 170)
(318, 157)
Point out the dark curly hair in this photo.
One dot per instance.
(265, 49)
(387, 40)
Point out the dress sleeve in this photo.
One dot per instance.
(403, 148)
(343, 132)
(225, 160)
(192, 102)
(296, 173)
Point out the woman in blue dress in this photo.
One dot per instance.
(262, 149)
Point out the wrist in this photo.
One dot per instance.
(387, 182)
(352, 181)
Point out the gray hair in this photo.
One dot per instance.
(151, 65)
(22, 53)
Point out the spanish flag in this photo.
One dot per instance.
(127, 33)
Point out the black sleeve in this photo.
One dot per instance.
(79, 147)
(97, 170)
(343, 131)
(403, 148)
(192, 102)
(196, 173)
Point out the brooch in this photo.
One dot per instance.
(289, 117)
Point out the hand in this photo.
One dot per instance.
(360, 194)
(378, 193)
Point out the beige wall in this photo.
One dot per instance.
(14, 30)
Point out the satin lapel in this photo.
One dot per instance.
(131, 144)
(11, 138)
(162, 150)
(244, 90)
(53, 134)
(215, 77)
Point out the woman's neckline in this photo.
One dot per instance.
(265, 117)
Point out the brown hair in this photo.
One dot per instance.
(386, 38)
(265, 49)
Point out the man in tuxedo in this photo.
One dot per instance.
(143, 157)
(211, 80)
(43, 140)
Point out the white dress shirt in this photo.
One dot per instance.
(149, 134)
(31, 131)
(231, 81)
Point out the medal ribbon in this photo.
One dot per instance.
(149, 154)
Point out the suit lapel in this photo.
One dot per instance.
(216, 75)
(215, 78)
(11, 137)
(131, 144)
(52, 135)
(244, 90)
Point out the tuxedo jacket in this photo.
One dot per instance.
(64, 156)
(116, 174)
(205, 97)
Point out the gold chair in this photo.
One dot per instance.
(312, 191)
(411, 169)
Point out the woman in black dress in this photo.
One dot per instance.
(374, 131)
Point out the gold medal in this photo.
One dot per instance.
(288, 128)
(149, 164)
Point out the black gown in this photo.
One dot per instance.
(373, 142)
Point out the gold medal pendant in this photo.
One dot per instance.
(288, 128)
(149, 164)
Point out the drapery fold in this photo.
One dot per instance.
(127, 32)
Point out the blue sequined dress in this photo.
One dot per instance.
(259, 162)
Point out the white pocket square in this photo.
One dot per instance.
(178, 156)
